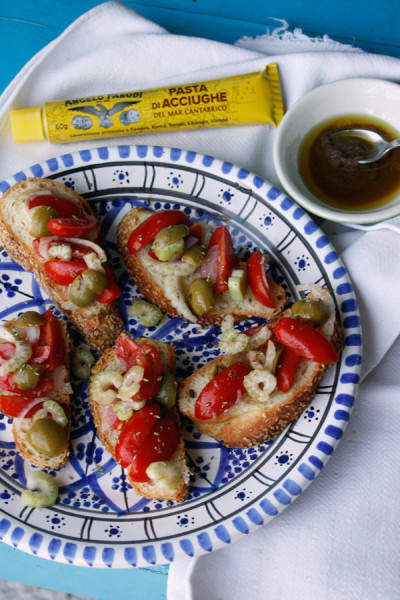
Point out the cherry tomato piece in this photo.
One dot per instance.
(148, 229)
(196, 230)
(64, 206)
(71, 226)
(134, 433)
(12, 405)
(226, 259)
(159, 445)
(64, 272)
(51, 336)
(39, 355)
(257, 278)
(305, 340)
(126, 348)
(152, 254)
(145, 356)
(148, 358)
(286, 369)
(112, 291)
(222, 392)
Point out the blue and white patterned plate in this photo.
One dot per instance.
(98, 520)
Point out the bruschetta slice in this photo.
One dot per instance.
(192, 272)
(35, 386)
(52, 232)
(132, 394)
(267, 375)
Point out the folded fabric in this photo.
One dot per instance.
(339, 540)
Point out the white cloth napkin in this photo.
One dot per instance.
(340, 539)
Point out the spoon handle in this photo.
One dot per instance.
(393, 144)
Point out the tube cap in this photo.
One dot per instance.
(27, 125)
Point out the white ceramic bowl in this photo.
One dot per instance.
(359, 96)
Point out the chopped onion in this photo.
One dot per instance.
(30, 334)
(261, 337)
(48, 239)
(61, 381)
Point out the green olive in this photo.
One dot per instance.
(41, 215)
(201, 296)
(166, 395)
(47, 437)
(171, 252)
(169, 243)
(313, 312)
(172, 234)
(27, 376)
(30, 318)
(194, 255)
(80, 294)
(95, 280)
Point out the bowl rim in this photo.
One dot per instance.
(325, 211)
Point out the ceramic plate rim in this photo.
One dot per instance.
(254, 515)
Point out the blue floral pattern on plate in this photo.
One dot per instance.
(98, 520)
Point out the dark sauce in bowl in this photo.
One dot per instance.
(331, 173)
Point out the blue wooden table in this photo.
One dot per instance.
(26, 27)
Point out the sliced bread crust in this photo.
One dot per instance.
(165, 284)
(249, 422)
(109, 438)
(21, 426)
(98, 323)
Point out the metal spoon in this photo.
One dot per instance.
(379, 146)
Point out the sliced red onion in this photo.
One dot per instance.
(108, 418)
(209, 267)
(190, 241)
(30, 405)
(44, 244)
(95, 247)
(48, 239)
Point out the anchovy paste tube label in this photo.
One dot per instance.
(250, 99)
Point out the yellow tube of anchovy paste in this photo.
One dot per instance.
(250, 99)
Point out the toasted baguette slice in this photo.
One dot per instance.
(98, 323)
(21, 426)
(250, 422)
(165, 284)
(110, 361)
